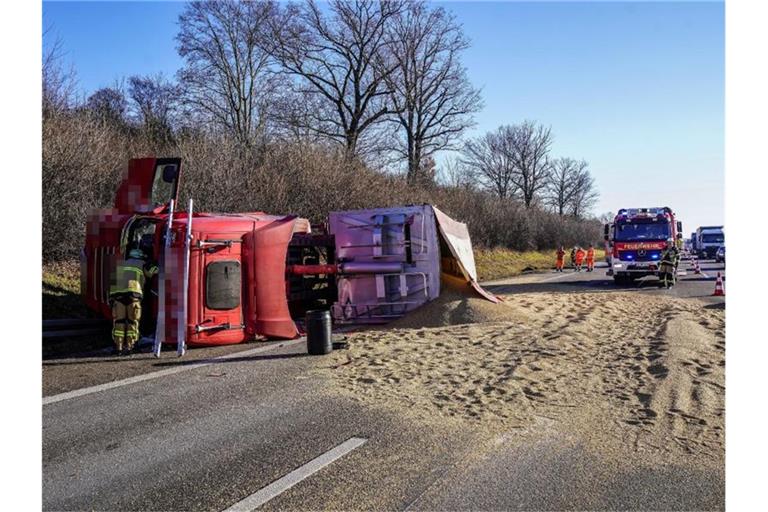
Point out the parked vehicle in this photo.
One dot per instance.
(708, 240)
(720, 254)
(636, 239)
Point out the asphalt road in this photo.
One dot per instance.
(689, 285)
(207, 437)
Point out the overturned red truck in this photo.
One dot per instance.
(227, 278)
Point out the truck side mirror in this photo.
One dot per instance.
(170, 172)
(606, 231)
(679, 227)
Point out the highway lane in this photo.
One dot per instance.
(206, 438)
(689, 285)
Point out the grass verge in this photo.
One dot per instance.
(498, 263)
(61, 291)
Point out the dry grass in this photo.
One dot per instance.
(500, 263)
(61, 291)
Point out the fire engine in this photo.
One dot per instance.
(636, 239)
(227, 278)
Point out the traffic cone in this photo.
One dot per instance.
(719, 290)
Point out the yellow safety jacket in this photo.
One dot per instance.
(668, 257)
(130, 277)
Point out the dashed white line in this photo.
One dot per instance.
(281, 485)
(162, 373)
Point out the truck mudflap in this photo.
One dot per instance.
(461, 270)
(264, 251)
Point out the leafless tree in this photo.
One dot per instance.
(59, 83)
(430, 93)
(454, 173)
(489, 158)
(333, 53)
(606, 217)
(226, 74)
(108, 103)
(155, 100)
(529, 152)
(562, 184)
(585, 193)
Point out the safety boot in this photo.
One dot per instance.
(118, 345)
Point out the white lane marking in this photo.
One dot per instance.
(558, 276)
(47, 400)
(281, 485)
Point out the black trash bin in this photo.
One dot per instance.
(319, 340)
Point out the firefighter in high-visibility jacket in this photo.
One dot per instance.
(125, 294)
(668, 265)
(560, 259)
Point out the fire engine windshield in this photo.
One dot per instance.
(628, 231)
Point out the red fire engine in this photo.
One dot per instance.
(636, 239)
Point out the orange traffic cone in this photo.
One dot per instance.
(719, 290)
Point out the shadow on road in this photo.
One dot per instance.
(232, 359)
(147, 359)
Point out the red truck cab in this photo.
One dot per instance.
(236, 285)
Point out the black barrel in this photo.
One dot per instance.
(319, 340)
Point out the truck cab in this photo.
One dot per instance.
(636, 240)
(708, 240)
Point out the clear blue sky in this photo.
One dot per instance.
(636, 89)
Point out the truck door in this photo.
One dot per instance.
(220, 299)
(149, 185)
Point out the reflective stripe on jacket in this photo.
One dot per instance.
(130, 277)
(669, 257)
